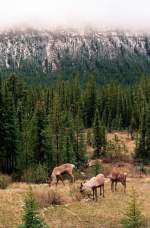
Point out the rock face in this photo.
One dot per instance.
(52, 51)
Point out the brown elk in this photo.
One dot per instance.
(93, 184)
(59, 171)
(115, 177)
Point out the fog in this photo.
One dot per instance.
(103, 14)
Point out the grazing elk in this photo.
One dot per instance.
(93, 184)
(116, 177)
(59, 171)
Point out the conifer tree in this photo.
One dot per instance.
(40, 148)
(56, 124)
(99, 136)
(31, 218)
(82, 150)
(79, 141)
(143, 146)
(2, 132)
(133, 217)
(89, 137)
(10, 140)
(89, 103)
(68, 152)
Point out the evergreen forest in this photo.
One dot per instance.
(43, 126)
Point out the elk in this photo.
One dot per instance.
(93, 184)
(115, 177)
(58, 171)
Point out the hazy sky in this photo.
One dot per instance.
(127, 14)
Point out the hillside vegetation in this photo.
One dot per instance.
(41, 57)
(43, 127)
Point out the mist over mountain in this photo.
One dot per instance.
(108, 55)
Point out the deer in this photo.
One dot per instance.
(93, 184)
(115, 177)
(59, 171)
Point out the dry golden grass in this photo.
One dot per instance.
(75, 211)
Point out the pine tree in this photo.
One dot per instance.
(68, 155)
(40, 148)
(148, 131)
(82, 150)
(89, 103)
(97, 168)
(31, 218)
(133, 217)
(2, 133)
(56, 124)
(99, 136)
(10, 140)
(79, 140)
(89, 137)
(143, 147)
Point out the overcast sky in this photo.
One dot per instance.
(109, 14)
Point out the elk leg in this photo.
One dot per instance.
(96, 193)
(112, 186)
(93, 193)
(103, 191)
(62, 180)
(100, 191)
(115, 185)
(124, 184)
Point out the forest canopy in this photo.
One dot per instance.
(43, 126)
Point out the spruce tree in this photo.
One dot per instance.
(40, 148)
(148, 131)
(2, 133)
(82, 150)
(89, 137)
(56, 125)
(133, 217)
(99, 136)
(89, 103)
(68, 155)
(10, 140)
(31, 218)
(79, 140)
(143, 146)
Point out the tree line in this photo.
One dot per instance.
(48, 125)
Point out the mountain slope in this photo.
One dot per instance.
(108, 55)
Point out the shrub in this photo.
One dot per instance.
(30, 217)
(133, 217)
(47, 198)
(36, 174)
(141, 168)
(97, 168)
(5, 180)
